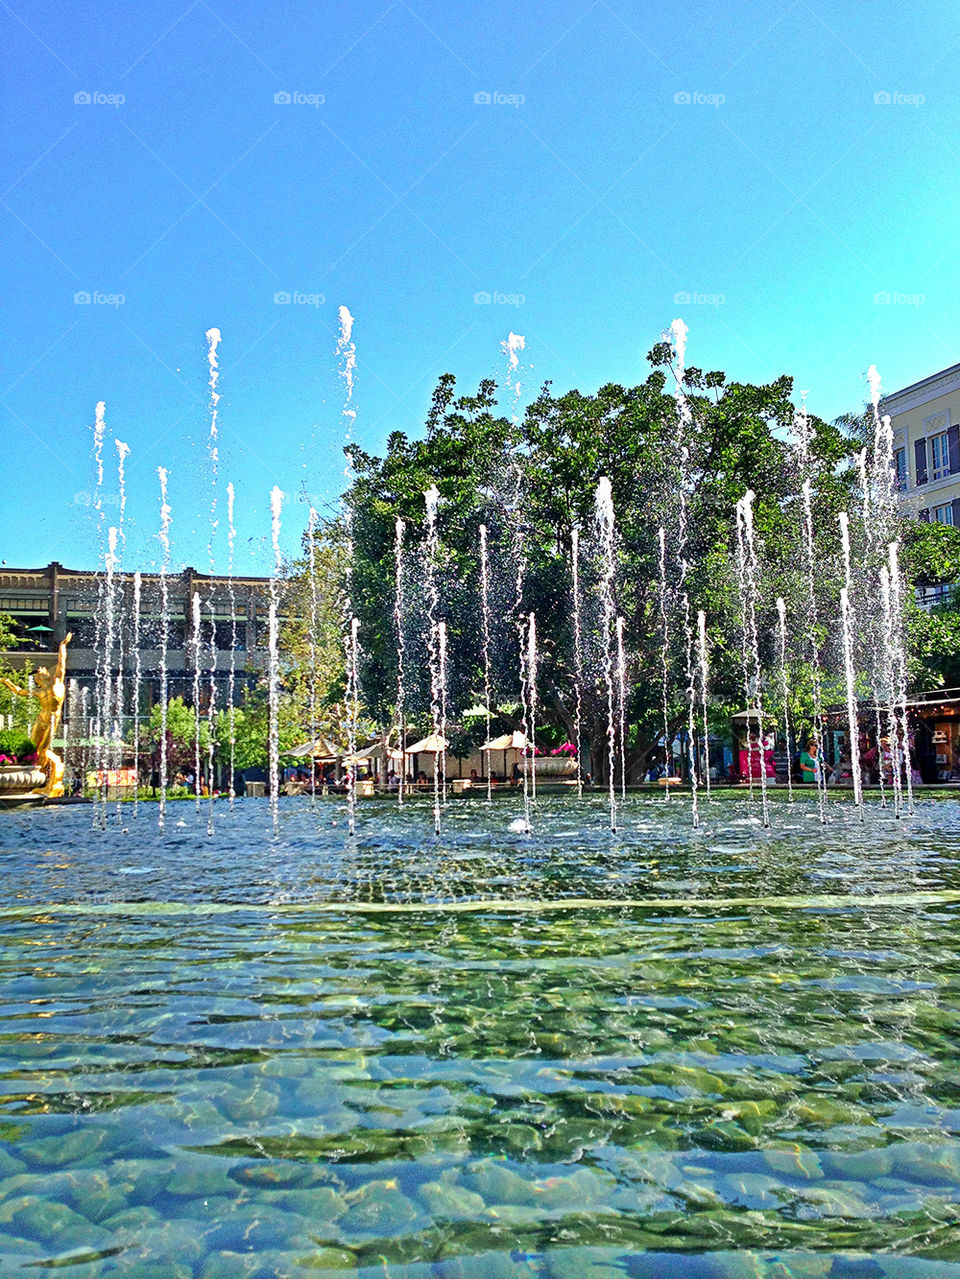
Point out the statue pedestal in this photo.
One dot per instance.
(21, 779)
(21, 782)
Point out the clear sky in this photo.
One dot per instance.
(787, 166)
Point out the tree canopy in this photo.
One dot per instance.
(674, 462)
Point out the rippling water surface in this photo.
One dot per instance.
(727, 1052)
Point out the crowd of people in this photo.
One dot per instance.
(757, 761)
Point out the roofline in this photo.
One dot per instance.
(128, 574)
(916, 386)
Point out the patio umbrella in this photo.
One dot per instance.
(322, 751)
(515, 741)
(433, 744)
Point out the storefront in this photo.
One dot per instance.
(935, 719)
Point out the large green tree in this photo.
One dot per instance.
(532, 482)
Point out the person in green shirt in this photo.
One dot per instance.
(810, 762)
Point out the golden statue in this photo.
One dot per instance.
(50, 690)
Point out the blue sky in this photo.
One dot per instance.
(785, 165)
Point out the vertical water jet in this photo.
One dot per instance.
(276, 503)
(605, 522)
(577, 655)
(164, 640)
(785, 686)
(485, 620)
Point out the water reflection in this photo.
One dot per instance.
(226, 1065)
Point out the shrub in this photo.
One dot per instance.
(16, 747)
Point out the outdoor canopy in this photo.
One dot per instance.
(431, 745)
(321, 750)
(515, 741)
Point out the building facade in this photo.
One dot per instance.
(926, 453)
(48, 603)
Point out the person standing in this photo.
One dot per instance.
(810, 763)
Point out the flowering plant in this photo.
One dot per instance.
(567, 748)
(16, 748)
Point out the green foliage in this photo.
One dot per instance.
(312, 677)
(22, 710)
(930, 556)
(181, 734)
(16, 745)
(544, 471)
(931, 552)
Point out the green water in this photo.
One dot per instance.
(689, 1077)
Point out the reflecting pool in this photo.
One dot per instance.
(722, 1052)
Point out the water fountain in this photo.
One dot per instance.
(165, 514)
(503, 1050)
(276, 504)
(605, 521)
(197, 646)
(848, 627)
(432, 498)
(662, 597)
(703, 662)
(520, 560)
(784, 683)
(577, 656)
(137, 686)
(531, 765)
(748, 569)
(231, 679)
(398, 623)
(485, 623)
(622, 707)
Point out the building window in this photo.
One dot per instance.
(224, 635)
(84, 630)
(943, 514)
(900, 470)
(939, 455)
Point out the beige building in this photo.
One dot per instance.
(46, 603)
(926, 444)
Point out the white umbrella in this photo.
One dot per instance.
(430, 745)
(515, 741)
(321, 750)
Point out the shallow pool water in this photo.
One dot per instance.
(727, 1052)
